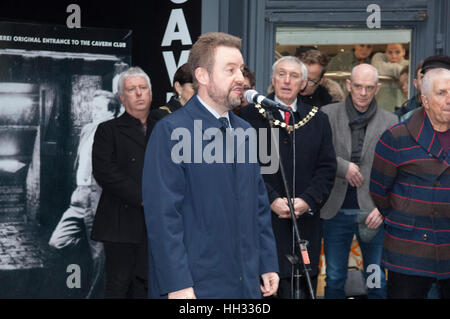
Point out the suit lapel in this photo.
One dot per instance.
(342, 129)
(422, 131)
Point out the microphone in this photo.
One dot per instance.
(252, 96)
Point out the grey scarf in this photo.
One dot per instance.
(358, 123)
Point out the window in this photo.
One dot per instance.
(341, 45)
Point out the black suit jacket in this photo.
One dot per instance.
(117, 163)
(315, 173)
(319, 98)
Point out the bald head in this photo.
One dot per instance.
(365, 70)
(363, 86)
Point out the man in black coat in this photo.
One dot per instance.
(117, 163)
(315, 166)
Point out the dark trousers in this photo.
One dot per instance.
(402, 286)
(284, 288)
(126, 270)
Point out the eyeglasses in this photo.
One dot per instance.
(314, 83)
(368, 88)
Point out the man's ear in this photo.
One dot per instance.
(424, 100)
(348, 85)
(415, 83)
(202, 75)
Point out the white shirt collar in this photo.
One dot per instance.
(293, 105)
(214, 112)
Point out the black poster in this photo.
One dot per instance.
(59, 62)
(56, 85)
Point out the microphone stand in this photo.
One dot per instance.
(302, 262)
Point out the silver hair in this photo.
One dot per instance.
(293, 59)
(132, 72)
(371, 66)
(429, 78)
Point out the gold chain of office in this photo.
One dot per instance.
(290, 128)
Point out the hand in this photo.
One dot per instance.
(270, 281)
(374, 219)
(280, 207)
(354, 176)
(300, 207)
(187, 293)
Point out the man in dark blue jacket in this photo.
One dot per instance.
(208, 219)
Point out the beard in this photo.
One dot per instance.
(228, 99)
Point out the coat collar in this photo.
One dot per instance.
(132, 127)
(345, 133)
(198, 112)
(420, 128)
(127, 120)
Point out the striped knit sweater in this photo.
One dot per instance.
(410, 185)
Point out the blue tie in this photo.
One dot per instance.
(224, 122)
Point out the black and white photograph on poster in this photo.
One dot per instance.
(56, 86)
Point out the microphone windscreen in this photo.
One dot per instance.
(249, 95)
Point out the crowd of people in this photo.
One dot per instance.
(175, 224)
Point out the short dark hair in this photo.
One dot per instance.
(247, 73)
(182, 76)
(315, 57)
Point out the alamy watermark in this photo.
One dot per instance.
(74, 279)
(374, 279)
(374, 20)
(74, 19)
(229, 146)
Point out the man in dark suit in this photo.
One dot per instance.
(117, 162)
(315, 167)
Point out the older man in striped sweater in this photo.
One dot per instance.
(410, 184)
